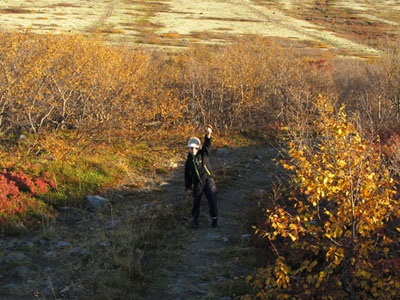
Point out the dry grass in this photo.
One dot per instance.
(64, 5)
(15, 11)
(343, 27)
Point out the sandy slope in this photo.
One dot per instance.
(121, 18)
(243, 16)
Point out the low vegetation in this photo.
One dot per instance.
(79, 117)
(336, 236)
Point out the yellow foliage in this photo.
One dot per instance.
(347, 198)
(68, 82)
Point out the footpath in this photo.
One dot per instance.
(212, 265)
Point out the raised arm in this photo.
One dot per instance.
(207, 140)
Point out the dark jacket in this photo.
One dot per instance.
(198, 168)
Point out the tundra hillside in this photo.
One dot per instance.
(83, 115)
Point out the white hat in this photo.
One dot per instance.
(194, 142)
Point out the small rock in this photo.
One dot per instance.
(258, 158)
(12, 288)
(63, 244)
(246, 237)
(64, 290)
(16, 229)
(146, 205)
(95, 203)
(50, 254)
(112, 224)
(24, 272)
(16, 257)
(223, 151)
(77, 251)
(103, 244)
(225, 240)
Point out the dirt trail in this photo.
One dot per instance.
(209, 265)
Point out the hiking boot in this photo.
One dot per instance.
(214, 222)
(195, 224)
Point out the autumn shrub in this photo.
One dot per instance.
(72, 83)
(391, 150)
(389, 86)
(243, 85)
(335, 236)
(68, 82)
(24, 188)
(9, 199)
(371, 88)
(20, 198)
(32, 187)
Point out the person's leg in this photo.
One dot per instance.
(197, 193)
(211, 194)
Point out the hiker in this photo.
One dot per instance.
(199, 179)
